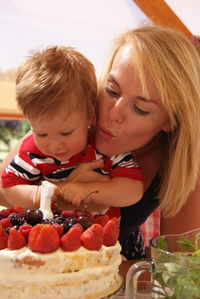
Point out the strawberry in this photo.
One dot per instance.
(3, 238)
(59, 228)
(5, 222)
(71, 241)
(92, 238)
(117, 225)
(4, 213)
(110, 233)
(19, 210)
(101, 219)
(25, 230)
(78, 225)
(15, 239)
(43, 238)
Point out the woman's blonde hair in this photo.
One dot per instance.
(47, 77)
(174, 65)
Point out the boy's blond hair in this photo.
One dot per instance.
(174, 65)
(46, 79)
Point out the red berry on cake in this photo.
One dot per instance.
(5, 222)
(68, 214)
(110, 233)
(3, 238)
(19, 210)
(15, 239)
(92, 238)
(71, 241)
(102, 219)
(43, 238)
(59, 228)
(25, 230)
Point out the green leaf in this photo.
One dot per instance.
(162, 244)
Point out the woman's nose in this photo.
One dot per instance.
(116, 112)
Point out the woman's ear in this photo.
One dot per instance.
(167, 127)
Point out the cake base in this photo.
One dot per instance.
(82, 274)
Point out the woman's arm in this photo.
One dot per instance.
(188, 218)
(118, 192)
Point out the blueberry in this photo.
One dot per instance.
(72, 221)
(59, 220)
(45, 221)
(7, 230)
(65, 227)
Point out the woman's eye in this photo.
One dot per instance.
(139, 111)
(111, 92)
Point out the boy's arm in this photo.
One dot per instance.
(119, 192)
(26, 196)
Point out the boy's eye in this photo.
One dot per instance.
(66, 133)
(42, 135)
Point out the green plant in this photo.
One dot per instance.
(177, 275)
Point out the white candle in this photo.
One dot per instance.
(47, 191)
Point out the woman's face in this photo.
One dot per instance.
(127, 120)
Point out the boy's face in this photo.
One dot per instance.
(61, 137)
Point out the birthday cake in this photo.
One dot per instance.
(72, 256)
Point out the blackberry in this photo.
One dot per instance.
(16, 227)
(33, 217)
(15, 219)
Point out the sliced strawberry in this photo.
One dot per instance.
(71, 241)
(92, 238)
(19, 210)
(15, 239)
(110, 233)
(3, 238)
(102, 219)
(43, 238)
(25, 230)
(68, 214)
(5, 222)
(59, 228)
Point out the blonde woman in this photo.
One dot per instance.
(149, 103)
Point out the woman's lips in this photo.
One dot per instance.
(105, 133)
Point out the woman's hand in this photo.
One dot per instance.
(85, 172)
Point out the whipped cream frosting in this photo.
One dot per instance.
(60, 275)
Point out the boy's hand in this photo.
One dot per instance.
(76, 193)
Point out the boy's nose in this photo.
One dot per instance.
(55, 145)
